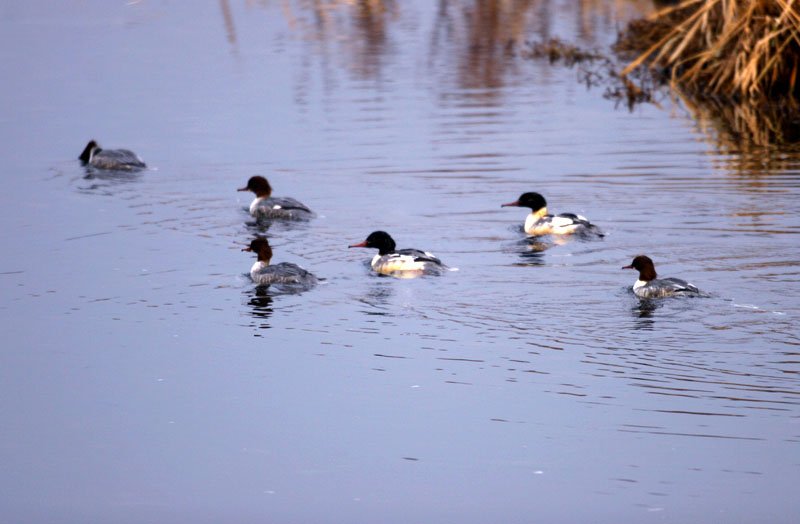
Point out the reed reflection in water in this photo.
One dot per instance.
(478, 35)
(482, 37)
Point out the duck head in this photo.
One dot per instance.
(644, 265)
(534, 201)
(260, 246)
(89, 151)
(380, 240)
(258, 185)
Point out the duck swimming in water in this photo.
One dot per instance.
(265, 206)
(116, 159)
(539, 222)
(400, 262)
(263, 273)
(650, 286)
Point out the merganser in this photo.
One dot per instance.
(263, 273)
(117, 159)
(540, 223)
(400, 262)
(650, 286)
(267, 207)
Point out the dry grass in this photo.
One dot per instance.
(734, 48)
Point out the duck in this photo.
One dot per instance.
(116, 159)
(539, 222)
(650, 286)
(265, 206)
(400, 262)
(263, 273)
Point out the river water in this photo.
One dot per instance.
(145, 379)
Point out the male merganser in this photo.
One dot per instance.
(263, 273)
(650, 286)
(267, 207)
(540, 223)
(400, 262)
(117, 159)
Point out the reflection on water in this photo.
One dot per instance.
(105, 181)
(260, 303)
(264, 226)
(744, 137)
(260, 226)
(227, 17)
(531, 258)
(753, 161)
(357, 29)
(644, 309)
(531, 250)
(378, 295)
(482, 34)
(478, 39)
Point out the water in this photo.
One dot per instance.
(144, 379)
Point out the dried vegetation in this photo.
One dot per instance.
(746, 48)
(596, 69)
(737, 58)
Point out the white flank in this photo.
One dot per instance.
(530, 222)
(258, 266)
(254, 205)
(388, 264)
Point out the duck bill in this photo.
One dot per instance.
(626, 267)
(511, 204)
(362, 244)
(246, 249)
(242, 189)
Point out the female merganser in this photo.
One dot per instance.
(265, 274)
(267, 207)
(540, 223)
(400, 262)
(650, 286)
(118, 159)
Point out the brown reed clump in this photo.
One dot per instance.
(734, 48)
